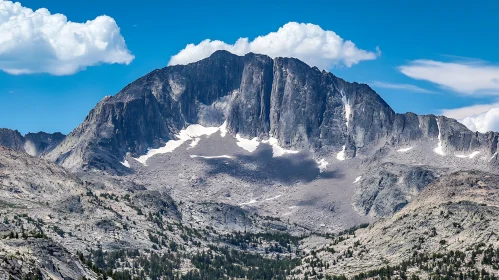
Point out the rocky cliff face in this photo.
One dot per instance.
(256, 96)
(11, 139)
(389, 187)
(35, 144)
(40, 143)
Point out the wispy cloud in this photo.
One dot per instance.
(471, 77)
(404, 87)
(463, 112)
(307, 42)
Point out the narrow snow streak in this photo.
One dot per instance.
(357, 179)
(273, 198)
(223, 129)
(253, 201)
(125, 163)
(492, 157)
(439, 149)
(341, 154)
(472, 155)
(346, 105)
(210, 157)
(404, 150)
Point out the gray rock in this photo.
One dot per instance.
(40, 143)
(389, 187)
(11, 139)
(35, 144)
(158, 202)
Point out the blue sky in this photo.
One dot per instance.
(455, 33)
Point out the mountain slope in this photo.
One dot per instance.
(456, 213)
(57, 226)
(35, 144)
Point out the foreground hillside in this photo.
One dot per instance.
(58, 226)
(450, 230)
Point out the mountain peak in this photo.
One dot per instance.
(256, 96)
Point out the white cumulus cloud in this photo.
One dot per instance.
(484, 122)
(41, 42)
(480, 117)
(465, 77)
(307, 42)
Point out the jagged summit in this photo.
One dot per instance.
(35, 144)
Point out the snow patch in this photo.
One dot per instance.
(322, 164)
(341, 154)
(439, 149)
(357, 179)
(273, 198)
(195, 142)
(492, 157)
(346, 105)
(277, 150)
(125, 163)
(210, 157)
(190, 133)
(404, 150)
(472, 155)
(253, 201)
(249, 145)
(223, 129)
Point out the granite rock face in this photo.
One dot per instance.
(40, 143)
(303, 107)
(35, 144)
(390, 187)
(11, 139)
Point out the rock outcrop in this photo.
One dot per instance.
(11, 139)
(389, 187)
(35, 144)
(40, 143)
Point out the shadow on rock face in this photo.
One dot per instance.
(262, 166)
